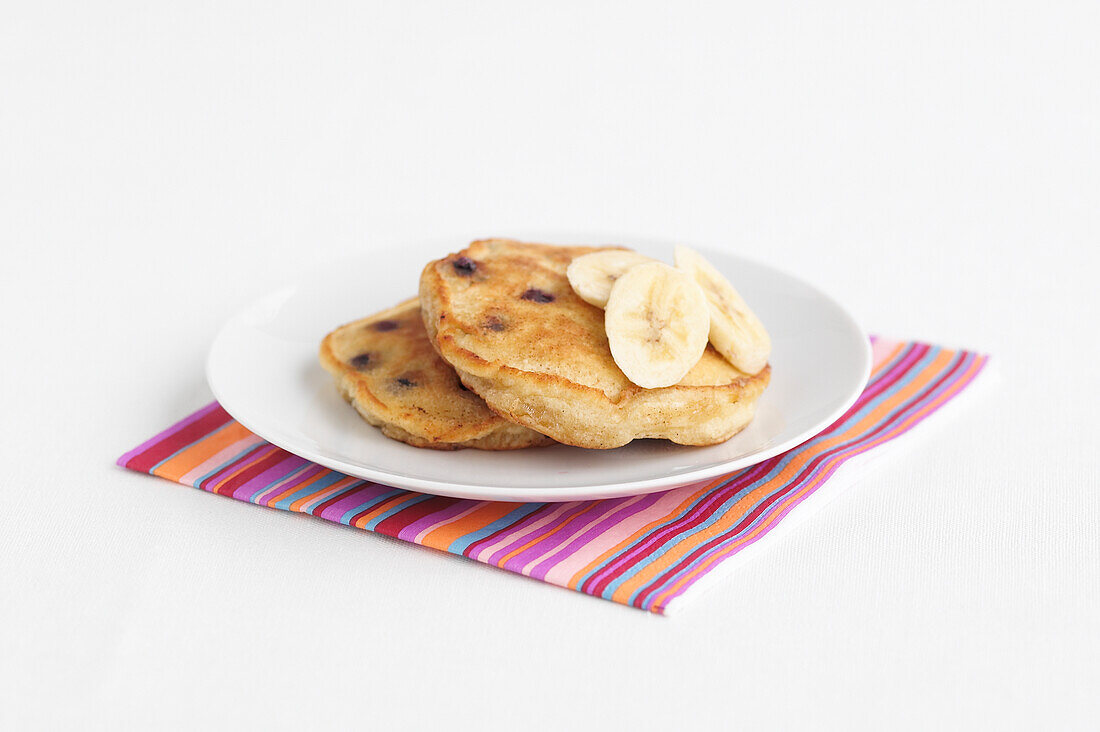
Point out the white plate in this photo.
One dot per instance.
(263, 369)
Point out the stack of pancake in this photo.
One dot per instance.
(499, 352)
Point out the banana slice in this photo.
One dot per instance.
(735, 330)
(592, 275)
(657, 323)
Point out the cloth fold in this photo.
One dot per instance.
(645, 551)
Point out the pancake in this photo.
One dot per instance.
(502, 313)
(386, 367)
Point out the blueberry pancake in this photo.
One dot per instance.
(503, 314)
(386, 368)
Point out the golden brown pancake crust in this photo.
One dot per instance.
(386, 367)
(502, 313)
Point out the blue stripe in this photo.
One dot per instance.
(687, 511)
(917, 403)
(342, 492)
(677, 537)
(380, 498)
(420, 498)
(306, 465)
(888, 366)
(215, 431)
(777, 468)
(318, 485)
(461, 544)
(243, 455)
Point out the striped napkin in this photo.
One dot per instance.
(645, 551)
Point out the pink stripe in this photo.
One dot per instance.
(278, 471)
(417, 529)
(292, 479)
(565, 543)
(889, 378)
(355, 498)
(424, 532)
(578, 543)
(160, 437)
(552, 537)
(716, 497)
(881, 350)
(666, 502)
(706, 508)
(927, 406)
(217, 481)
(526, 528)
(539, 535)
(241, 463)
(327, 493)
(223, 456)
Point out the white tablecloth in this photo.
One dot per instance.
(933, 166)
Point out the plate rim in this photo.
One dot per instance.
(481, 491)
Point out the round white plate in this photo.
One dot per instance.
(263, 369)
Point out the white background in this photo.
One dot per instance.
(934, 165)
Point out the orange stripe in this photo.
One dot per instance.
(262, 455)
(443, 536)
(541, 537)
(290, 490)
(385, 506)
(886, 361)
(574, 581)
(932, 406)
(921, 380)
(180, 465)
(343, 482)
(688, 544)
